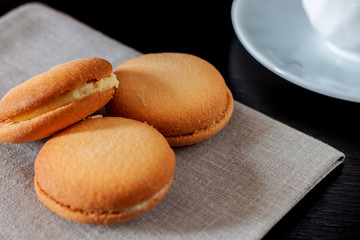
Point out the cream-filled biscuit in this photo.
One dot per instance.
(55, 99)
(181, 95)
(104, 170)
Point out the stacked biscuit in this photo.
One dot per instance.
(105, 170)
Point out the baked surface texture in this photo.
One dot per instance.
(181, 95)
(46, 87)
(104, 170)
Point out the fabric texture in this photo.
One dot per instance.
(236, 185)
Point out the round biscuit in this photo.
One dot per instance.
(181, 95)
(104, 170)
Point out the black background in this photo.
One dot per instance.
(203, 28)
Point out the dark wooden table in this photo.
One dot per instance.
(332, 209)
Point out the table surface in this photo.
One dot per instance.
(203, 28)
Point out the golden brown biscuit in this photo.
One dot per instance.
(55, 99)
(104, 170)
(181, 95)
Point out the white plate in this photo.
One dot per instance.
(278, 34)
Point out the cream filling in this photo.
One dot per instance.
(143, 205)
(69, 97)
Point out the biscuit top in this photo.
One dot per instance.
(49, 85)
(105, 164)
(174, 92)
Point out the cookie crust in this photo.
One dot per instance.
(46, 87)
(181, 95)
(104, 170)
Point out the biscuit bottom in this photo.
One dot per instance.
(204, 133)
(87, 89)
(104, 217)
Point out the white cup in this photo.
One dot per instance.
(338, 22)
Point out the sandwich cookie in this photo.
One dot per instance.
(55, 99)
(104, 170)
(181, 95)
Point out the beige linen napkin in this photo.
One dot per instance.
(236, 185)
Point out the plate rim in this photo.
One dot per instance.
(287, 75)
